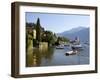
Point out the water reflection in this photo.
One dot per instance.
(52, 57)
(35, 56)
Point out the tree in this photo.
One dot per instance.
(38, 30)
(65, 39)
(48, 36)
(30, 24)
(61, 40)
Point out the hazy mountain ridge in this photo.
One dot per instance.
(81, 32)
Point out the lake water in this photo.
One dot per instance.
(56, 57)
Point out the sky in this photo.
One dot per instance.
(58, 22)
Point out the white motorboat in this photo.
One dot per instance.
(77, 47)
(60, 47)
(71, 52)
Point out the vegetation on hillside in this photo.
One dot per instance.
(43, 35)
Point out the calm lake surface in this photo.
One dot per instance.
(56, 57)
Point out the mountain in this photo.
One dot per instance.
(81, 32)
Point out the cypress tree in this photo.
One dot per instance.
(38, 30)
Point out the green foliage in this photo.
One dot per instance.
(30, 24)
(65, 39)
(61, 39)
(41, 35)
(49, 37)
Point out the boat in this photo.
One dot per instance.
(87, 43)
(77, 47)
(71, 52)
(66, 44)
(60, 47)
